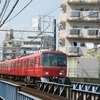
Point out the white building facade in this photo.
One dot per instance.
(79, 26)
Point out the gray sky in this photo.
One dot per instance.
(24, 19)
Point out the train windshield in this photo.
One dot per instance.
(51, 59)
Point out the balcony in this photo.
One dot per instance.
(94, 15)
(8, 51)
(62, 34)
(83, 1)
(93, 32)
(75, 32)
(63, 5)
(83, 33)
(63, 18)
(74, 51)
(75, 15)
(63, 2)
(93, 1)
(75, 1)
(71, 51)
(8, 46)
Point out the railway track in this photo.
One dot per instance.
(31, 89)
(42, 95)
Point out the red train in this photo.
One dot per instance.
(46, 65)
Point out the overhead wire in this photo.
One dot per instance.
(46, 14)
(20, 11)
(9, 13)
(26, 27)
(5, 10)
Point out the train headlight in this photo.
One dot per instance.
(62, 73)
(45, 73)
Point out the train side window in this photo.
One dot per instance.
(17, 64)
(24, 64)
(31, 63)
(12, 65)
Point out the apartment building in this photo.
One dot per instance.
(15, 47)
(11, 48)
(36, 43)
(79, 26)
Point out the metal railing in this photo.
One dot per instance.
(10, 91)
(76, 91)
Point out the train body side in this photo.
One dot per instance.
(31, 66)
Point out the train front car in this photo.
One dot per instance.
(54, 66)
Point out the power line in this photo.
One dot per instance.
(22, 31)
(9, 13)
(19, 11)
(5, 10)
(46, 14)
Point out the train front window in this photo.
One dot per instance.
(51, 59)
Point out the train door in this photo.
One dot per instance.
(37, 67)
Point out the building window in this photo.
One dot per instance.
(17, 64)
(12, 65)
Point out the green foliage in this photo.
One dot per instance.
(93, 53)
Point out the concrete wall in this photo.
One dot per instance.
(83, 67)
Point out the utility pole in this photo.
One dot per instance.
(54, 34)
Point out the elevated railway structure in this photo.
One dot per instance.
(75, 91)
(56, 91)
